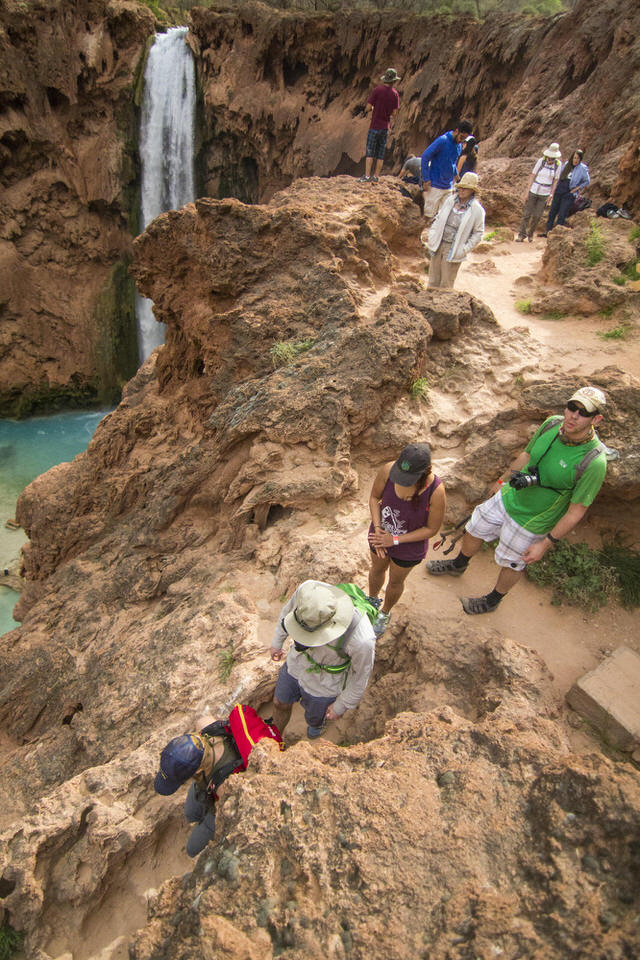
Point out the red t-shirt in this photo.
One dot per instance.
(385, 100)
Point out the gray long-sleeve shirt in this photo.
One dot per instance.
(359, 644)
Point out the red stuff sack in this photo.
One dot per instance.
(247, 729)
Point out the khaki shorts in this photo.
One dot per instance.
(490, 521)
(433, 197)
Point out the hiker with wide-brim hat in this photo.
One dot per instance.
(542, 185)
(457, 228)
(383, 105)
(407, 505)
(330, 658)
(574, 177)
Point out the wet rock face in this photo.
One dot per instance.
(284, 94)
(67, 151)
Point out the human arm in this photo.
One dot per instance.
(360, 646)
(374, 504)
(520, 461)
(280, 634)
(477, 232)
(582, 180)
(437, 508)
(428, 155)
(565, 525)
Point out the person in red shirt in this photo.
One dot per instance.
(383, 104)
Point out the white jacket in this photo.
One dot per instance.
(469, 232)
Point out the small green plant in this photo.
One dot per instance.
(634, 234)
(10, 941)
(620, 280)
(595, 245)
(523, 306)
(631, 270)
(518, 380)
(578, 574)
(616, 333)
(226, 663)
(625, 562)
(492, 235)
(420, 389)
(555, 315)
(606, 311)
(286, 351)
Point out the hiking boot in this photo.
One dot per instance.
(364, 179)
(477, 605)
(313, 732)
(375, 601)
(439, 568)
(381, 623)
(519, 239)
(530, 239)
(374, 180)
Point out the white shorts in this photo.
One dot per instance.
(490, 521)
(433, 197)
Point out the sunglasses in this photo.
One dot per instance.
(576, 408)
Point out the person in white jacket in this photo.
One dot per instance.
(457, 228)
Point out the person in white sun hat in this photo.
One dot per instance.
(542, 185)
(457, 228)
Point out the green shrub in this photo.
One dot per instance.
(616, 333)
(635, 234)
(491, 236)
(579, 575)
(595, 245)
(555, 315)
(10, 941)
(625, 562)
(630, 270)
(621, 280)
(226, 663)
(420, 388)
(523, 306)
(286, 351)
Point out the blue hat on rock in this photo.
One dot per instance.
(178, 761)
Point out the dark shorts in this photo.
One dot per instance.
(288, 690)
(401, 563)
(376, 143)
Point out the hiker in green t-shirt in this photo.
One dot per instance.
(552, 484)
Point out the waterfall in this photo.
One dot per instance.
(166, 149)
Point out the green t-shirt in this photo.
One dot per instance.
(539, 508)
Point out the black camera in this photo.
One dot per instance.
(520, 480)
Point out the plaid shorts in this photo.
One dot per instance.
(376, 143)
(490, 521)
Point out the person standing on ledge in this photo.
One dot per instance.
(542, 185)
(456, 230)
(440, 166)
(330, 660)
(553, 482)
(383, 104)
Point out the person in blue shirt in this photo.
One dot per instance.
(574, 176)
(439, 166)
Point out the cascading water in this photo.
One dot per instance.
(166, 149)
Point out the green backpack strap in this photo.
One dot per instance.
(359, 600)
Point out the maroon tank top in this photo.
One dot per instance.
(402, 516)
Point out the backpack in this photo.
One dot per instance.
(362, 605)
(607, 210)
(244, 728)
(590, 455)
(359, 600)
(579, 203)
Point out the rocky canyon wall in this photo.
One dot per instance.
(68, 169)
(282, 97)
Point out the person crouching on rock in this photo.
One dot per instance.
(457, 228)
(330, 661)
(407, 505)
(197, 757)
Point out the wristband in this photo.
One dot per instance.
(395, 541)
(553, 539)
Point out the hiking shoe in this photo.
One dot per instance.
(543, 234)
(374, 180)
(364, 179)
(519, 239)
(439, 568)
(624, 214)
(313, 732)
(375, 601)
(381, 623)
(530, 239)
(477, 605)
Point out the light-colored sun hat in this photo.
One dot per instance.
(390, 76)
(592, 399)
(469, 181)
(553, 151)
(322, 613)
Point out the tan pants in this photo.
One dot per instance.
(442, 273)
(433, 197)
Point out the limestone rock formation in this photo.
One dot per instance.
(162, 553)
(67, 152)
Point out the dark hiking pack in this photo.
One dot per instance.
(243, 729)
(579, 203)
(607, 210)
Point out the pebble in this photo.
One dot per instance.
(446, 779)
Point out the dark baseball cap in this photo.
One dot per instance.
(411, 464)
(178, 761)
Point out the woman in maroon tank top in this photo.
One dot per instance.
(407, 505)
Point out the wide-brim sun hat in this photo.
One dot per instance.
(592, 399)
(469, 181)
(412, 463)
(322, 613)
(553, 151)
(390, 76)
(178, 762)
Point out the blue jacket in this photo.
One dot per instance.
(579, 177)
(439, 161)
